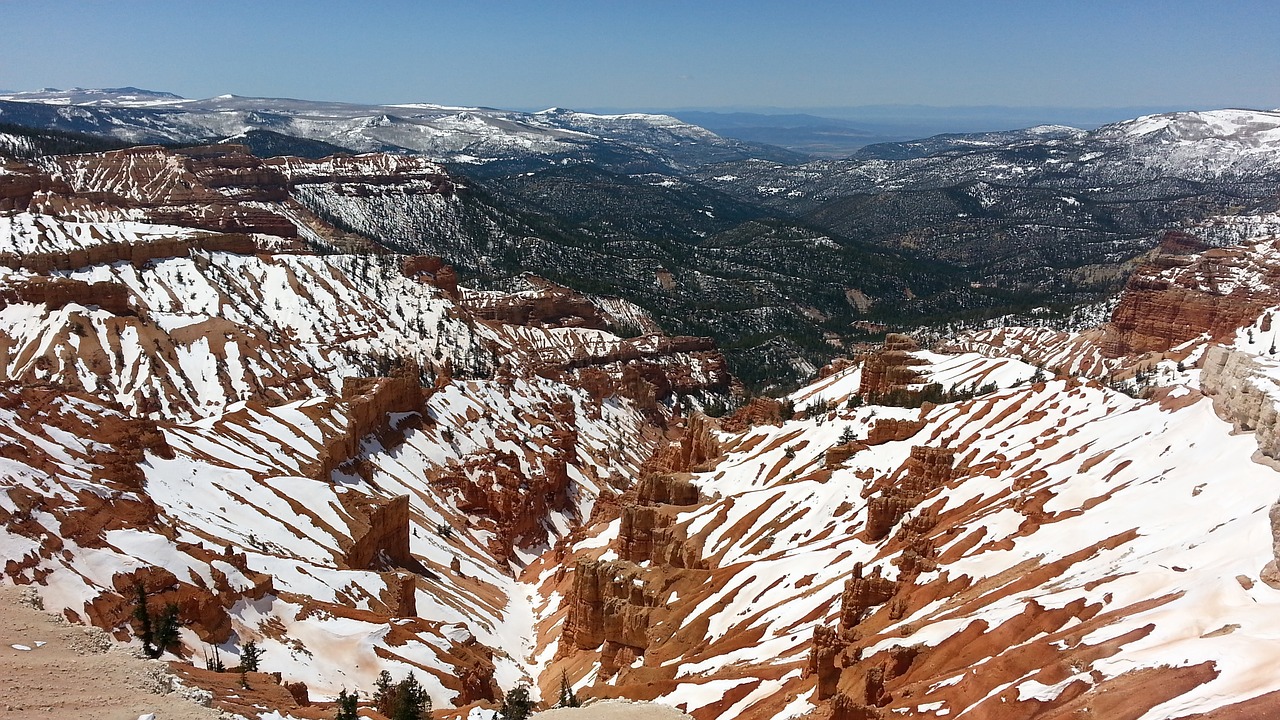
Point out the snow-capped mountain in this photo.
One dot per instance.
(476, 136)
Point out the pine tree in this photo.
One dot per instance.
(143, 616)
(347, 706)
(567, 698)
(516, 704)
(250, 654)
(167, 629)
(159, 635)
(384, 694)
(214, 662)
(412, 702)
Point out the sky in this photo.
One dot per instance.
(642, 54)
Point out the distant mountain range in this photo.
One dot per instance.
(835, 132)
(475, 136)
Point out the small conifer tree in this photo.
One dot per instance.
(250, 655)
(347, 706)
(166, 629)
(157, 635)
(516, 704)
(412, 701)
(384, 693)
(567, 698)
(143, 615)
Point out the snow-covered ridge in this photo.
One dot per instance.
(440, 132)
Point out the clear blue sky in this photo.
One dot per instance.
(618, 53)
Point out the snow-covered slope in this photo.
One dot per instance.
(327, 454)
(360, 465)
(1041, 548)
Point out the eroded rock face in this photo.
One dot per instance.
(1240, 391)
(926, 470)
(1187, 290)
(137, 254)
(648, 530)
(610, 606)
(891, 371)
(59, 292)
(861, 594)
(202, 608)
(691, 452)
(379, 531)
(892, 429)
(368, 403)
(759, 411)
(432, 270)
(825, 662)
(548, 306)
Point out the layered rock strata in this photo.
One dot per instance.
(1187, 290)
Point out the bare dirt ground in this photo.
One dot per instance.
(614, 710)
(72, 671)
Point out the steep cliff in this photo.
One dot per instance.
(1246, 391)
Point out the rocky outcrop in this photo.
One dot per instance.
(547, 306)
(649, 533)
(695, 448)
(204, 609)
(369, 401)
(59, 292)
(885, 430)
(861, 594)
(927, 469)
(759, 411)
(137, 254)
(609, 608)
(825, 661)
(1244, 393)
(379, 532)
(1187, 290)
(432, 270)
(836, 455)
(666, 488)
(889, 375)
(20, 182)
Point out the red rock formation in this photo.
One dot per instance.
(369, 400)
(60, 292)
(861, 594)
(204, 610)
(649, 534)
(609, 607)
(888, 375)
(667, 488)
(1186, 290)
(760, 411)
(495, 489)
(695, 448)
(432, 270)
(838, 454)
(137, 254)
(475, 668)
(835, 366)
(824, 661)
(379, 532)
(926, 470)
(892, 429)
(548, 306)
